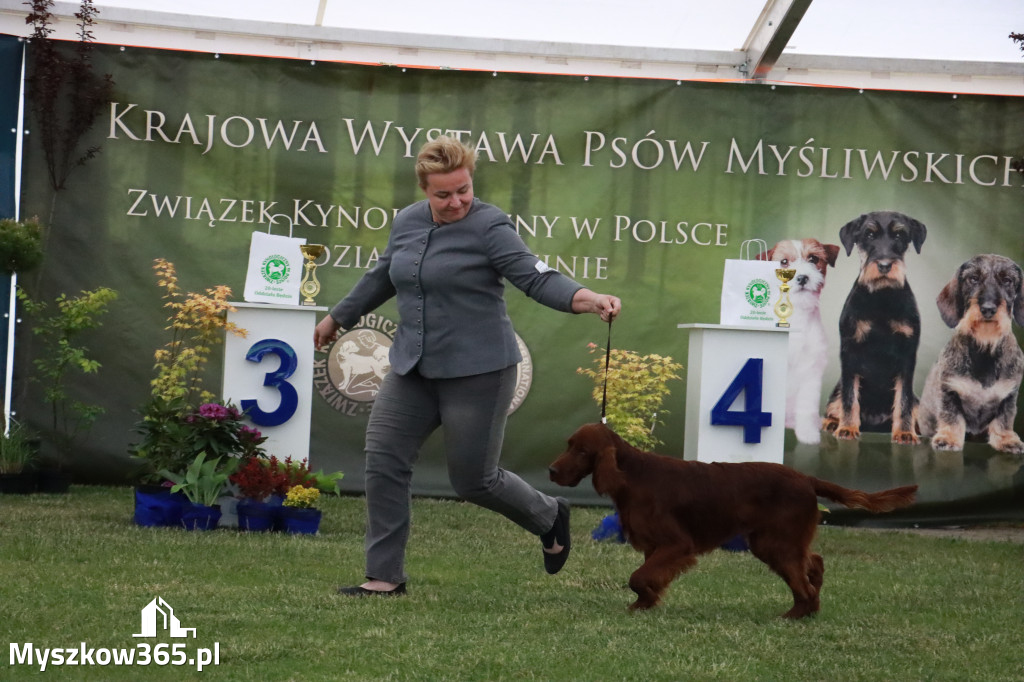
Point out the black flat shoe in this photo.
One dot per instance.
(358, 591)
(559, 533)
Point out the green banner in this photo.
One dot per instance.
(641, 188)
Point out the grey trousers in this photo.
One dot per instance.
(472, 413)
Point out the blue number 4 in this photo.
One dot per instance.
(750, 381)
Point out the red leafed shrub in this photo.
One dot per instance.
(258, 478)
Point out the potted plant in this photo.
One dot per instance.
(327, 482)
(633, 388)
(21, 245)
(180, 419)
(17, 455)
(299, 512)
(60, 356)
(203, 483)
(172, 439)
(637, 386)
(258, 481)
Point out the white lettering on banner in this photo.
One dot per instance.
(652, 151)
(308, 212)
(647, 153)
(530, 226)
(235, 131)
(663, 232)
(348, 256)
(578, 267)
(510, 146)
(701, 233)
(985, 170)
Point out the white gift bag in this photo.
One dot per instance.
(276, 267)
(750, 288)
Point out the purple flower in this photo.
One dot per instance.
(250, 432)
(214, 411)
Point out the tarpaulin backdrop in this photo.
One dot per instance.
(641, 188)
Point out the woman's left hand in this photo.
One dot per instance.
(605, 305)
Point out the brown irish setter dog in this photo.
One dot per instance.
(673, 510)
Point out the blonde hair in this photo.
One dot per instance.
(444, 155)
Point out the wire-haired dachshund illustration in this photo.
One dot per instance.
(973, 387)
(674, 510)
(879, 331)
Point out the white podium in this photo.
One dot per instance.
(735, 393)
(269, 373)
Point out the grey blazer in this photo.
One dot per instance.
(449, 283)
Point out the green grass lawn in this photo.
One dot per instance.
(895, 606)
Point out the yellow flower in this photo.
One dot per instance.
(300, 496)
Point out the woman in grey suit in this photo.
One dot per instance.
(453, 359)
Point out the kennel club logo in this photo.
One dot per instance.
(275, 269)
(350, 376)
(758, 292)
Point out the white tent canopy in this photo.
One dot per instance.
(944, 45)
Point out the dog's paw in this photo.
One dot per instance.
(905, 438)
(1010, 444)
(848, 433)
(808, 435)
(829, 424)
(941, 443)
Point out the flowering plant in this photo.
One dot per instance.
(173, 437)
(637, 386)
(258, 477)
(197, 323)
(301, 497)
(218, 429)
(173, 429)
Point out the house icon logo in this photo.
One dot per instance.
(158, 614)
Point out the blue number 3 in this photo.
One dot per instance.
(749, 380)
(277, 379)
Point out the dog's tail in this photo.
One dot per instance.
(882, 501)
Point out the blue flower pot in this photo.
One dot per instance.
(199, 516)
(158, 506)
(609, 529)
(254, 515)
(300, 521)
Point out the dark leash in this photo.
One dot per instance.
(607, 361)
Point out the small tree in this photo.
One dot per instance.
(637, 387)
(62, 355)
(197, 322)
(66, 96)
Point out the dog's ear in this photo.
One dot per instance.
(917, 232)
(766, 255)
(849, 233)
(606, 474)
(831, 253)
(948, 301)
(1018, 302)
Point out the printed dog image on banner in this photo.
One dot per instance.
(973, 387)
(879, 331)
(808, 347)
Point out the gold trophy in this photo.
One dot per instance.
(310, 286)
(783, 307)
